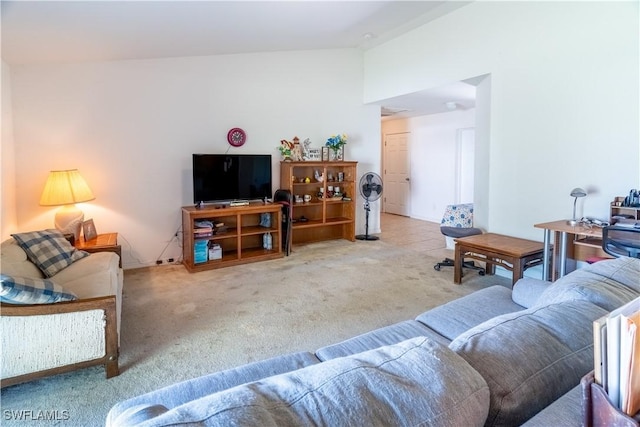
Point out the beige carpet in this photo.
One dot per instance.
(177, 325)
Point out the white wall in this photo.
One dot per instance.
(130, 127)
(8, 214)
(432, 142)
(563, 101)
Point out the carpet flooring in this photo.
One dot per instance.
(177, 326)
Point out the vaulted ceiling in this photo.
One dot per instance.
(39, 32)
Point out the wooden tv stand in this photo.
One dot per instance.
(241, 242)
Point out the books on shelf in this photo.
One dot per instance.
(616, 346)
(205, 228)
(202, 228)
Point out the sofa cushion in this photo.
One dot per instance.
(416, 382)
(26, 290)
(460, 315)
(531, 358)
(14, 261)
(565, 412)
(92, 276)
(387, 335)
(527, 291)
(48, 250)
(196, 388)
(608, 284)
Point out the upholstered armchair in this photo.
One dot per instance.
(59, 322)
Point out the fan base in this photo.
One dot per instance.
(366, 237)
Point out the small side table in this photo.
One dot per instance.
(107, 242)
(511, 253)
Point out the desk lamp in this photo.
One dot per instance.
(65, 188)
(576, 192)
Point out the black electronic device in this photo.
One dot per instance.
(231, 177)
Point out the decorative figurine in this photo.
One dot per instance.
(296, 151)
(305, 151)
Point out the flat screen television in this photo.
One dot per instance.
(230, 177)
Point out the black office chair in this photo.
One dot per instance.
(457, 222)
(621, 241)
(286, 200)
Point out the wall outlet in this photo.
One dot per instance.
(170, 260)
(158, 262)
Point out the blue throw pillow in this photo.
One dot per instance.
(26, 290)
(48, 250)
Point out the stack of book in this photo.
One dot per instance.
(616, 345)
(202, 229)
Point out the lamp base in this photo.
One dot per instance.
(69, 219)
(573, 222)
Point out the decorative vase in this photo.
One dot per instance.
(336, 155)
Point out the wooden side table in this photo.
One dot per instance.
(512, 253)
(107, 242)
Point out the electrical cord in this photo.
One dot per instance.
(129, 249)
(179, 241)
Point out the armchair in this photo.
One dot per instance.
(50, 338)
(47, 339)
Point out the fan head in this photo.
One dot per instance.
(370, 186)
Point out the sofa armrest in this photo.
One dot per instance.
(526, 291)
(60, 345)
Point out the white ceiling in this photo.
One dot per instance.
(39, 32)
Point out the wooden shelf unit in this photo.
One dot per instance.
(631, 212)
(241, 242)
(327, 219)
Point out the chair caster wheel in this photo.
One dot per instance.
(481, 272)
(436, 267)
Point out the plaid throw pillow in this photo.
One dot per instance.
(25, 290)
(48, 250)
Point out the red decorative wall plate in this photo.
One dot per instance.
(236, 137)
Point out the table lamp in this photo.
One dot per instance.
(576, 192)
(66, 188)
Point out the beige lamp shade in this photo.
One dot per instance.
(65, 188)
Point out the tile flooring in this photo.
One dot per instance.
(415, 234)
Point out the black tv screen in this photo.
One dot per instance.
(229, 177)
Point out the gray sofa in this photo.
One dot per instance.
(496, 357)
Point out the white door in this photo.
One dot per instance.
(465, 155)
(397, 184)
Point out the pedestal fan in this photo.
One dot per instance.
(371, 189)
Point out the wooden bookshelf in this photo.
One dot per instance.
(321, 218)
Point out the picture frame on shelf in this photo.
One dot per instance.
(89, 230)
(325, 154)
(314, 154)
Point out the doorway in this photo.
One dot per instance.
(397, 174)
(465, 155)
